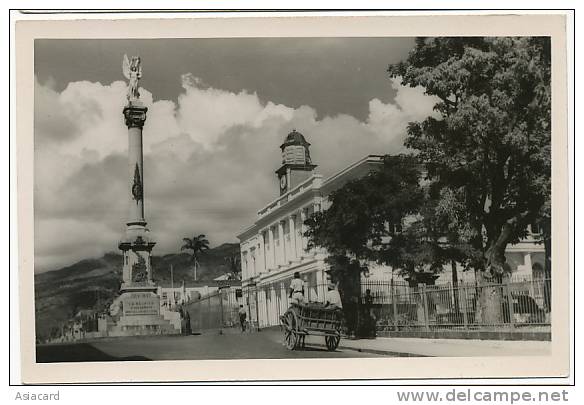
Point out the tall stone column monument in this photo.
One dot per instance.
(136, 244)
(138, 307)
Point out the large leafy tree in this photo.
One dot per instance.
(390, 217)
(364, 222)
(197, 245)
(487, 150)
(430, 240)
(490, 146)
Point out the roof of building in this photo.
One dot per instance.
(295, 138)
(227, 276)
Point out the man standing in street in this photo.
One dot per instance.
(242, 318)
(297, 289)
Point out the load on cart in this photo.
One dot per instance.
(303, 319)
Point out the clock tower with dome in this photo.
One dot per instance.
(296, 163)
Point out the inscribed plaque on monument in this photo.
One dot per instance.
(141, 304)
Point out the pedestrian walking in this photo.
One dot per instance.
(242, 318)
(188, 329)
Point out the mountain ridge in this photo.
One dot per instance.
(94, 282)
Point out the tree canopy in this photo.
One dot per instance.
(479, 168)
(364, 220)
(196, 245)
(488, 149)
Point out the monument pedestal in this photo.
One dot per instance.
(140, 314)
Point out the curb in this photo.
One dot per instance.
(502, 335)
(356, 349)
(384, 352)
(375, 351)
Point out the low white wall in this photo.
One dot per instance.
(173, 317)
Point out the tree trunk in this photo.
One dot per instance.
(489, 306)
(455, 288)
(489, 302)
(350, 289)
(547, 288)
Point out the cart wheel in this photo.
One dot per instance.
(291, 336)
(332, 342)
(291, 340)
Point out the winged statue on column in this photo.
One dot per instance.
(132, 70)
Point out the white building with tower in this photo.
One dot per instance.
(274, 247)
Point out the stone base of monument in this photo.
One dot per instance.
(140, 315)
(141, 325)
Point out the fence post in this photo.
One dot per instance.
(464, 307)
(208, 311)
(422, 290)
(267, 303)
(394, 305)
(257, 310)
(221, 308)
(510, 303)
(279, 303)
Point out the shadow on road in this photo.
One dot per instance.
(80, 352)
(312, 349)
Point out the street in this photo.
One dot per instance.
(230, 344)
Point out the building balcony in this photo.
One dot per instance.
(314, 182)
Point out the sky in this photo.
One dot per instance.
(218, 111)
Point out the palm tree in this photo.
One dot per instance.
(197, 245)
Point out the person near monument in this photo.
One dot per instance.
(296, 290)
(185, 321)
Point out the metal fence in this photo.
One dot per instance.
(214, 311)
(390, 306)
(514, 304)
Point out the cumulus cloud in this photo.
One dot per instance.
(209, 160)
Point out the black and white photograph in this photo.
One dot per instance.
(311, 197)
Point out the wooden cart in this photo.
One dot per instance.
(311, 319)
